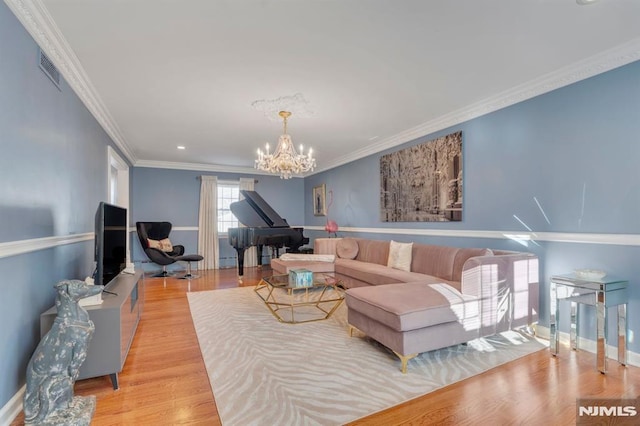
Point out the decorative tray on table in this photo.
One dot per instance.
(590, 274)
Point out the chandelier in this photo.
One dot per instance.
(285, 160)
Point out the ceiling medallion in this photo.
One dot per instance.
(285, 160)
(296, 104)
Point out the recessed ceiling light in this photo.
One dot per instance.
(182, 147)
(583, 2)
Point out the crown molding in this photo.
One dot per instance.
(613, 58)
(202, 167)
(35, 18)
(38, 22)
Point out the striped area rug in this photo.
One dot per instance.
(263, 372)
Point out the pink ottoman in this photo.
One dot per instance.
(284, 266)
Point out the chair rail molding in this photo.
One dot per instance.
(185, 228)
(523, 237)
(13, 248)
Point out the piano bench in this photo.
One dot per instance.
(284, 266)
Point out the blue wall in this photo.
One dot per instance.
(53, 173)
(575, 150)
(174, 196)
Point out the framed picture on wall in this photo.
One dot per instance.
(319, 201)
(423, 183)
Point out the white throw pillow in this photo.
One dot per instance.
(400, 256)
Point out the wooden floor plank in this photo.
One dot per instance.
(164, 381)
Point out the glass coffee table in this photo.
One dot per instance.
(295, 305)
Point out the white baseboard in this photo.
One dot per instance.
(12, 408)
(588, 345)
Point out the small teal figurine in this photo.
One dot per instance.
(54, 366)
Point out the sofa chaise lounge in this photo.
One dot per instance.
(438, 296)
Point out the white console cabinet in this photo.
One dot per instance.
(116, 320)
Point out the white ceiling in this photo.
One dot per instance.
(375, 73)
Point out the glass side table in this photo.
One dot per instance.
(601, 293)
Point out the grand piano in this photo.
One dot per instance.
(264, 227)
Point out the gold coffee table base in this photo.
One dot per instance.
(296, 305)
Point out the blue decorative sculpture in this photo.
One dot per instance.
(53, 368)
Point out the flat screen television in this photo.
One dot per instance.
(110, 242)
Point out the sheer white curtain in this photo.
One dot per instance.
(208, 222)
(250, 254)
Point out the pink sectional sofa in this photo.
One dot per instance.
(447, 296)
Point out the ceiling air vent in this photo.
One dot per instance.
(49, 69)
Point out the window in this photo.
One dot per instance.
(227, 193)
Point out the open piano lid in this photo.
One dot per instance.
(255, 212)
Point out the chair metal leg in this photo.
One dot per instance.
(188, 275)
(163, 273)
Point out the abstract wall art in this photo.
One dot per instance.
(423, 183)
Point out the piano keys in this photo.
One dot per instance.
(263, 227)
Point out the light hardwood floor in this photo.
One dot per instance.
(164, 381)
